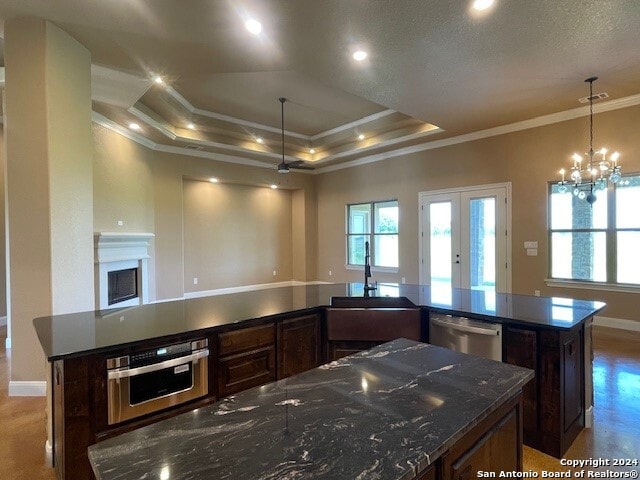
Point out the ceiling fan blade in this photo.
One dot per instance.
(300, 164)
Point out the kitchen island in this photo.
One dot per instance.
(393, 412)
(260, 336)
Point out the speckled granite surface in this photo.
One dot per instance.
(386, 413)
(77, 334)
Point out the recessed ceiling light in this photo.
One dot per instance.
(482, 4)
(274, 186)
(359, 55)
(158, 80)
(253, 26)
(361, 137)
(134, 126)
(213, 180)
(259, 140)
(312, 150)
(191, 126)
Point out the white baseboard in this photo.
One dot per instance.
(618, 323)
(27, 389)
(48, 454)
(7, 343)
(3, 321)
(588, 417)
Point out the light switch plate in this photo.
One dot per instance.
(532, 252)
(530, 244)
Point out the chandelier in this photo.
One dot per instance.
(592, 170)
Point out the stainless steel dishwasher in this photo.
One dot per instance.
(475, 337)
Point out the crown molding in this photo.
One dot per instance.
(543, 120)
(125, 132)
(221, 157)
(354, 124)
(159, 147)
(616, 104)
(385, 143)
(149, 120)
(227, 118)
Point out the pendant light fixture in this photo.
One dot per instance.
(592, 170)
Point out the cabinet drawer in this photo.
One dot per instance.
(298, 345)
(246, 339)
(246, 370)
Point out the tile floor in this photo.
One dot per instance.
(616, 431)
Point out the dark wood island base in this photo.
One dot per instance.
(257, 343)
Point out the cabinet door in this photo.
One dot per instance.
(521, 350)
(298, 345)
(572, 372)
(428, 474)
(495, 451)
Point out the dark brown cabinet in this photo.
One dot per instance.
(350, 330)
(554, 400)
(520, 348)
(299, 345)
(249, 356)
(494, 445)
(246, 358)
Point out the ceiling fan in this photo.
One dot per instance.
(284, 167)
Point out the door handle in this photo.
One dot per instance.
(465, 328)
(132, 372)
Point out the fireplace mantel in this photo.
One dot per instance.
(118, 251)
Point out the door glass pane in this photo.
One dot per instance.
(628, 257)
(440, 241)
(627, 201)
(482, 243)
(579, 255)
(356, 249)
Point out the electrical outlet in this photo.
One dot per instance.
(330, 273)
(536, 293)
(120, 223)
(195, 280)
(404, 280)
(274, 273)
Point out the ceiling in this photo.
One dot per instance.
(436, 69)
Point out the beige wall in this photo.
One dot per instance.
(145, 189)
(528, 159)
(3, 257)
(235, 235)
(49, 194)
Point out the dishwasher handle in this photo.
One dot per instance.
(132, 372)
(465, 328)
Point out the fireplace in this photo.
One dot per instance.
(123, 285)
(122, 273)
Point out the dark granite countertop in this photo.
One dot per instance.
(386, 413)
(80, 333)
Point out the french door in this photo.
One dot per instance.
(465, 238)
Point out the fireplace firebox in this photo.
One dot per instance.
(123, 285)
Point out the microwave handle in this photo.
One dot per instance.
(465, 328)
(174, 362)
